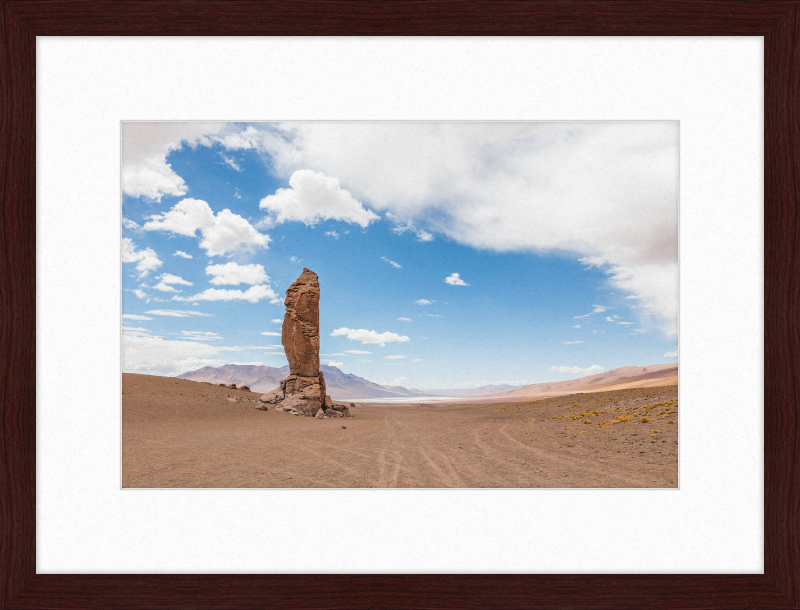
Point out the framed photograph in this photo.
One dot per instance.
(364, 219)
(243, 367)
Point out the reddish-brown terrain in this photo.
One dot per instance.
(180, 433)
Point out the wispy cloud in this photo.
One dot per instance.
(399, 229)
(199, 335)
(395, 357)
(423, 302)
(404, 319)
(392, 263)
(134, 316)
(254, 294)
(571, 342)
(270, 334)
(576, 370)
(672, 354)
(230, 162)
(127, 223)
(167, 279)
(357, 352)
(174, 313)
(182, 254)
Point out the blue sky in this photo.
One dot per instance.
(449, 255)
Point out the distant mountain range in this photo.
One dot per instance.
(340, 386)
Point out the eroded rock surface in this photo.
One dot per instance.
(300, 334)
(303, 391)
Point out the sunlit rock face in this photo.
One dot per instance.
(303, 391)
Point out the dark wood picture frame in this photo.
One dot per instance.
(777, 20)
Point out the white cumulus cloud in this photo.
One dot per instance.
(182, 254)
(223, 233)
(395, 357)
(455, 280)
(277, 320)
(369, 336)
(144, 150)
(423, 302)
(235, 274)
(133, 316)
(146, 260)
(672, 354)
(268, 333)
(312, 197)
(576, 370)
(603, 192)
(606, 192)
(332, 363)
(357, 352)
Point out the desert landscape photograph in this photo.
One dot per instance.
(399, 304)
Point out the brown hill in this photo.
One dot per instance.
(616, 379)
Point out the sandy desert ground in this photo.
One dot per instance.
(179, 433)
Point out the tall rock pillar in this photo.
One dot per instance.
(300, 335)
(303, 391)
